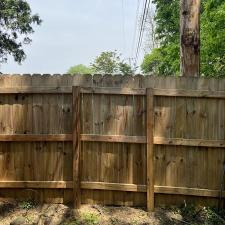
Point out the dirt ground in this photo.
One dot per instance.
(28, 213)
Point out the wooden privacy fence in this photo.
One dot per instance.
(107, 114)
(112, 140)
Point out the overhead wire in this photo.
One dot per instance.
(123, 26)
(141, 32)
(141, 29)
(135, 27)
(144, 18)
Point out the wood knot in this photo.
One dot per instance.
(185, 12)
(203, 115)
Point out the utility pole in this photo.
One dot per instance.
(190, 37)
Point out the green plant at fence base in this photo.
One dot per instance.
(26, 205)
(213, 216)
(90, 218)
(202, 215)
(86, 218)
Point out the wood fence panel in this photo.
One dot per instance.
(188, 136)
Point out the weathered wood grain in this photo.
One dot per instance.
(36, 134)
(150, 149)
(76, 147)
(190, 37)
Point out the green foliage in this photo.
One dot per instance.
(26, 205)
(165, 60)
(159, 61)
(90, 218)
(201, 215)
(16, 20)
(167, 20)
(81, 69)
(213, 216)
(110, 63)
(125, 69)
(107, 62)
(86, 218)
(213, 38)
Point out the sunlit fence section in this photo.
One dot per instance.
(113, 140)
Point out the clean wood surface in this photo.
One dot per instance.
(150, 149)
(76, 147)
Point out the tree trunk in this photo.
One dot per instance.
(190, 37)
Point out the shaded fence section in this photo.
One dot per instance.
(119, 119)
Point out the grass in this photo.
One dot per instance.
(86, 218)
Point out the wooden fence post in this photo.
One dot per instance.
(76, 147)
(150, 153)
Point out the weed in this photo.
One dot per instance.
(205, 215)
(26, 205)
(90, 218)
(213, 216)
(85, 218)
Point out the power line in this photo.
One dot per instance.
(141, 29)
(143, 20)
(135, 27)
(144, 16)
(123, 25)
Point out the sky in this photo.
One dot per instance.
(75, 32)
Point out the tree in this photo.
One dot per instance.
(213, 38)
(125, 69)
(190, 38)
(16, 20)
(165, 60)
(110, 63)
(81, 69)
(162, 61)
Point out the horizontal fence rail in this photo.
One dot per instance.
(111, 186)
(115, 91)
(111, 138)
